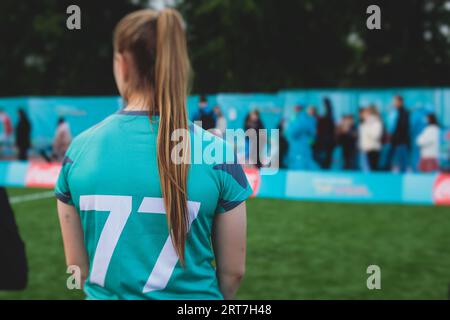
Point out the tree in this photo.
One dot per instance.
(42, 57)
(251, 45)
(245, 45)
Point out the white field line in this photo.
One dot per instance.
(31, 197)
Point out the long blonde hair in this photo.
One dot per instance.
(156, 42)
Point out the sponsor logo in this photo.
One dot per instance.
(42, 175)
(339, 186)
(254, 179)
(441, 190)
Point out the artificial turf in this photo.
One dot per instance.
(296, 250)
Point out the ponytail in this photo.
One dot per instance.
(157, 45)
(171, 85)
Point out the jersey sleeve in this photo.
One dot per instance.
(62, 189)
(235, 188)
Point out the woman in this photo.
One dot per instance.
(347, 136)
(370, 135)
(5, 132)
(23, 133)
(283, 145)
(253, 122)
(302, 132)
(62, 139)
(121, 177)
(221, 122)
(324, 143)
(428, 142)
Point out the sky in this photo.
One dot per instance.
(159, 4)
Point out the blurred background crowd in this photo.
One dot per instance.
(313, 139)
(401, 139)
(16, 141)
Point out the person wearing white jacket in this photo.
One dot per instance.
(221, 123)
(428, 142)
(62, 140)
(370, 135)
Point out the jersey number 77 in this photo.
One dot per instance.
(120, 208)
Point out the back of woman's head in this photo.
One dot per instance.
(154, 47)
(373, 110)
(432, 119)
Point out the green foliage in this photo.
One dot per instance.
(235, 45)
(260, 45)
(42, 57)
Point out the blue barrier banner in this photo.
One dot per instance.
(419, 188)
(272, 186)
(423, 189)
(13, 173)
(348, 187)
(80, 113)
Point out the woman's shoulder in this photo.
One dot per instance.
(434, 127)
(431, 129)
(104, 125)
(86, 136)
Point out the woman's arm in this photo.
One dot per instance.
(72, 233)
(229, 242)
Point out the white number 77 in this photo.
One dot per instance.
(120, 209)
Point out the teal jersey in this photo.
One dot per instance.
(110, 174)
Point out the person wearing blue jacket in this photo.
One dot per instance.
(205, 114)
(399, 137)
(302, 132)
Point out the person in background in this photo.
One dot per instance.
(5, 131)
(400, 137)
(23, 135)
(325, 139)
(312, 112)
(205, 114)
(370, 135)
(363, 163)
(253, 121)
(418, 122)
(62, 140)
(13, 266)
(2, 135)
(194, 247)
(221, 122)
(428, 142)
(347, 136)
(283, 146)
(302, 132)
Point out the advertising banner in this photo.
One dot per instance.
(418, 189)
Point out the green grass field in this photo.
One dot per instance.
(296, 250)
